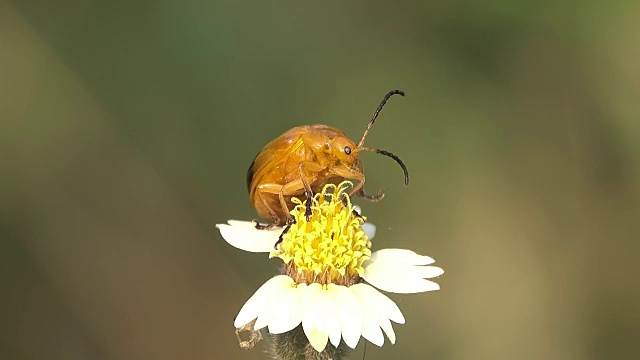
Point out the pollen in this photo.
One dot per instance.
(331, 246)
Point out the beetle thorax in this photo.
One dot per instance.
(330, 146)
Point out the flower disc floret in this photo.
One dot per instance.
(331, 246)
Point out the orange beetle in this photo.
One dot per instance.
(304, 159)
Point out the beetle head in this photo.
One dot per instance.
(343, 149)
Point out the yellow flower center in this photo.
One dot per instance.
(329, 248)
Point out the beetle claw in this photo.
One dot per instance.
(262, 227)
(373, 198)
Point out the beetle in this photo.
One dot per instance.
(302, 160)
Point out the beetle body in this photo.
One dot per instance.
(301, 161)
(314, 154)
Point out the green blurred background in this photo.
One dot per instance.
(127, 127)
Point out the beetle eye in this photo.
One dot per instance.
(347, 150)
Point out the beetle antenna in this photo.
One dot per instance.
(386, 153)
(377, 112)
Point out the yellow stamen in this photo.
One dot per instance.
(329, 248)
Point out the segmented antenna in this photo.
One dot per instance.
(397, 159)
(377, 112)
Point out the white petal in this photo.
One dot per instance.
(371, 331)
(377, 302)
(385, 324)
(255, 305)
(399, 279)
(403, 256)
(269, 310)
(282, 309)
(332, 305)
(335, 333)
(423, 272)
(416, 286)
(377, 311)
(401, 271)
(369, 229)
(244, 236)
(289, 310)
(313, 317)
(350, 315)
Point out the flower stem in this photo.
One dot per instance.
(293, 345)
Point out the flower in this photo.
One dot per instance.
(326, 258)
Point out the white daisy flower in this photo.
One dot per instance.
(326, 260)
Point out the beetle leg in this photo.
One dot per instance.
(307, 186)
(286, 230)
(260, 192)
(350, 173)
(289, 189)
(283, 203)
(374, 198)
(358, 190)
(264, 227)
